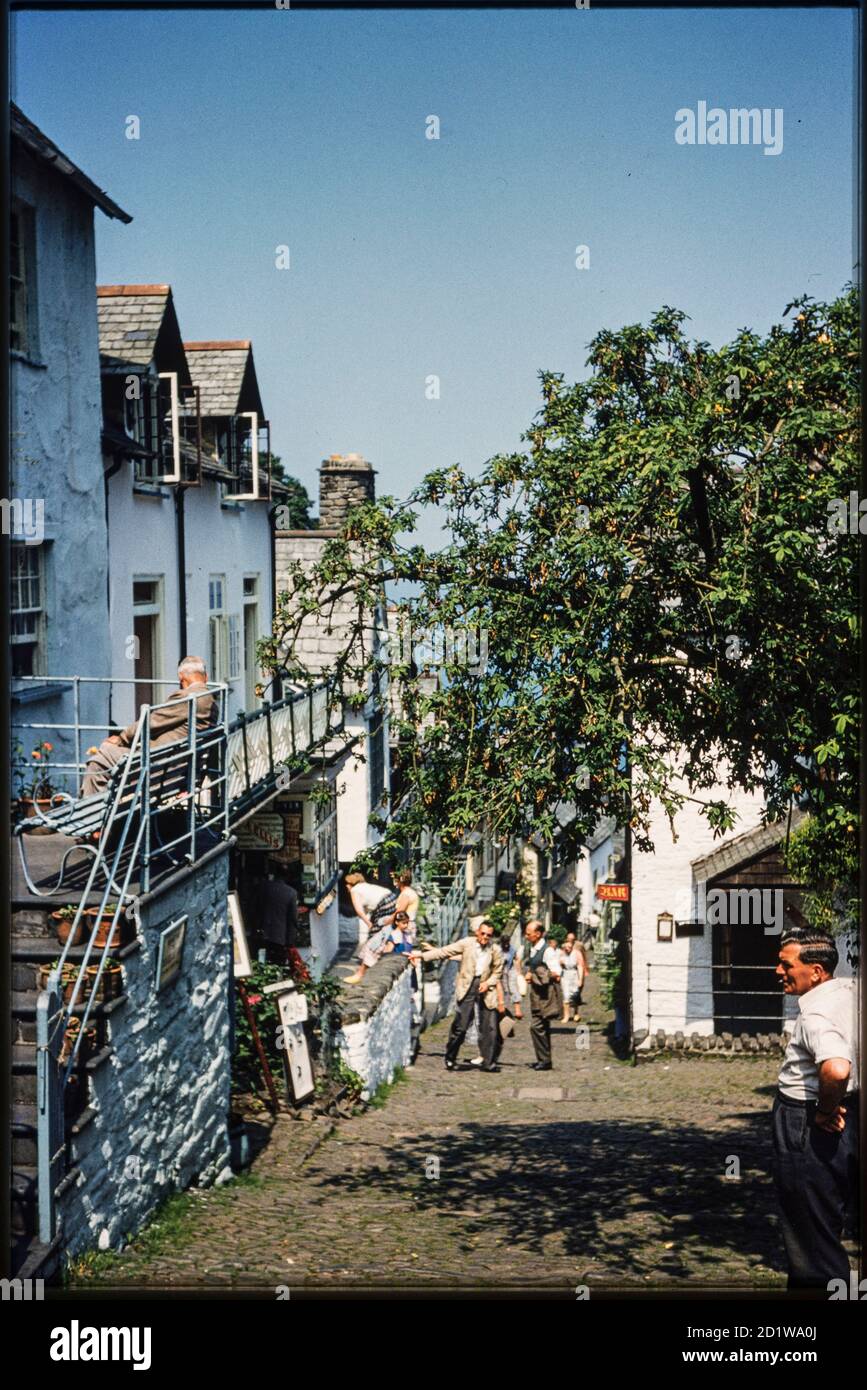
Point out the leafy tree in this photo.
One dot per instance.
(660, 583)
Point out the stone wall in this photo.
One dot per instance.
(161, 1100)
(375, 1036)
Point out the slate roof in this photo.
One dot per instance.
(226, 377)
(138, 325)
(743, 848)
(47, 152)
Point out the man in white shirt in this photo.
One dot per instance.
(541, 959)
(815, 1116)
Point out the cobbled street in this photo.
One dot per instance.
(599, 1173)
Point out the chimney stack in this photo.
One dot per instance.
(345, 481)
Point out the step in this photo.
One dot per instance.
(24, 1147)
(24, 1198)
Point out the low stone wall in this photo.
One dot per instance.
(161, 1099)
(679, 1044)
(376, 1021)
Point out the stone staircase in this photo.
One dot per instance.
(34, 946)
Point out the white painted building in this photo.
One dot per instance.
(190, 532)
(59, 585)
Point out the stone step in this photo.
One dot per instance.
(24, 1133)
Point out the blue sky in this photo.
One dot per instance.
(412, 257)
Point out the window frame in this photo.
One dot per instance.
(37, 641)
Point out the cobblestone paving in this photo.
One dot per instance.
(621, 1182)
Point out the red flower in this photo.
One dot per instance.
(36, 753)
(49, 747)
(254, 999)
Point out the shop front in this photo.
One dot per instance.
(294, 834)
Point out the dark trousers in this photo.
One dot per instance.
(540, 1032)
(816, 1177)
(487, 1024)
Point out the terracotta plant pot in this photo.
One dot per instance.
(63, 925)
(109, 986)
(88, 1046)
(69, 977)
(105, 924)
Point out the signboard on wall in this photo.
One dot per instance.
(613, 892)
(261, 832)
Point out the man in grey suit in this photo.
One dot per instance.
(167, 725)
(480, 968)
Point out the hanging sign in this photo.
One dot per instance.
(261, 832)
(613, 892)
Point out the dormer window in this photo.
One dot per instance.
(163, 418)
(246, 452)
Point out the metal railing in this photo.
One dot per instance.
(716, 994)
(269, 743)
(72, 771)
(214, 777)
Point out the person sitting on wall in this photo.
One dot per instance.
(389, 937)
(166, 725)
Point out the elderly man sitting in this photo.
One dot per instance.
(167, 725)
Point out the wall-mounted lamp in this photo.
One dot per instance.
(664, 927)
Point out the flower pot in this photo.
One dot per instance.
(67, 983)
(88, 1045)
(102, 931)
(109, 986)
(63, 926)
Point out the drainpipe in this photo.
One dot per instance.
(109, 473)
(277, 683)
(182, 570)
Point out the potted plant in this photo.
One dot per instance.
(35, 792)
(88, 1043)
(68, 977)
(111, 981)
(105, 921)
(63, 919)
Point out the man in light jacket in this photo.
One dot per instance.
(167, 725)
(480, 968)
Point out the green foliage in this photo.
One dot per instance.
(609, 968)
(660, 588)
(385, 1088)
(823, 855)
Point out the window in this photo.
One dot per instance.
(251, 635)
(23, 336)
(141, 423)
(234, 647)
(325, 841)
(27, 610)
(217, 628)
(147, 606)
(245, 447)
